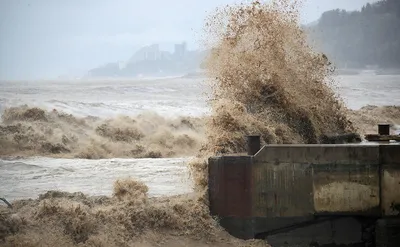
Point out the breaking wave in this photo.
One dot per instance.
(265, 80)
(128, 218)
(31, 131)
(28, 130)
(268, 80)
(368, 117)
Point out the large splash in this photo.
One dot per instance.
(265, 80)
(128, 218)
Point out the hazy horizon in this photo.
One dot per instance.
(45, 39)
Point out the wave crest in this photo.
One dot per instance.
(33, 131)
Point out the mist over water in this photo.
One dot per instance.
(109, 98)
(153, 202)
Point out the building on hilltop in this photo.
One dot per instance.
(151, 52)
(180, 50)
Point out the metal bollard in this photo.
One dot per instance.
(384, 129)
(253, 144)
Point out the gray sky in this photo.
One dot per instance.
(47, 38)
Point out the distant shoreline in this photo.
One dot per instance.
(367, 72)
(195, 75)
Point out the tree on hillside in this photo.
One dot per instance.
(357, 39)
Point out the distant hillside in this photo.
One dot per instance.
(361, 39)
(369, 38)
(150, 61)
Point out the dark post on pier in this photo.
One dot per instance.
(253, 144)
(384, 129)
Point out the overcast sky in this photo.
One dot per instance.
(47, 38)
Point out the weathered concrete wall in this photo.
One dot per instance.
(229, 186)
(297, 180)
(287, 184)
(390, 160)
(282, 190)
(229, 183)
(343, 231)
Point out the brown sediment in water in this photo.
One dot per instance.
(265, 80)
(128, 218)
(27, 131)
(368, 117)
(30, 131)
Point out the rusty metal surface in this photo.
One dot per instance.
(384, 129)
(382, 138)
(390, 159)
(230, 185)
(253, 144)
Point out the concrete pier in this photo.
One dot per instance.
(284, 185)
